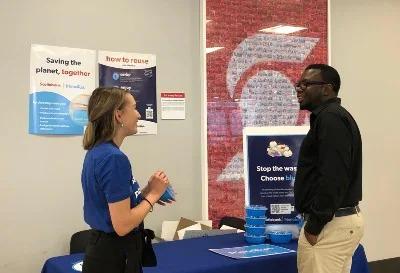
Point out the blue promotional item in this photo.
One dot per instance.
(259, 250)
(255, 221)
(169, 195)
(256, 211)
(255, 224)
(255, 230)
(280, 237)
(253, 239)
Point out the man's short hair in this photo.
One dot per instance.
(328, 74)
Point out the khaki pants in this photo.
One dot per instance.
(334, 248)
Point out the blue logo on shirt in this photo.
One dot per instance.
(135, 184)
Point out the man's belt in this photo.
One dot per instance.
(340, 212)
(347, 211)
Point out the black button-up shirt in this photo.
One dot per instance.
(329, 168)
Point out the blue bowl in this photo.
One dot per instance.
(255, 230)
(251, 239)
(280, 237)
(255, 221)
(256, 211)
(168, 195)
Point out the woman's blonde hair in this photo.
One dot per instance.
(103, 103)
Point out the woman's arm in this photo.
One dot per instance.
(124, 218)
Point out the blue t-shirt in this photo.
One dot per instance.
(106, 178)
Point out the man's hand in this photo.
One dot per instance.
(312, 239)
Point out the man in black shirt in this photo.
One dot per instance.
(328, 179)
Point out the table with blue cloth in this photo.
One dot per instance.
(193, 256)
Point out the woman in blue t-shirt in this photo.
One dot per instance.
(114, 206)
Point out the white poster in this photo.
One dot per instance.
(173, 105)
(61, 81)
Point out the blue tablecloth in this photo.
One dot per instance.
(193, 256)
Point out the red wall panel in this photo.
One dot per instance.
(250, 81)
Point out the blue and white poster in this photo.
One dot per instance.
(253, 251)
(137, 73)
(61, 81)
(270, 160)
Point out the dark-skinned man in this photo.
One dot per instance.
(328, 183)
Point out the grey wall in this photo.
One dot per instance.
(365, 48)
(40, 191)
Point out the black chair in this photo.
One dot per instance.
(79, 241)
(232, 222)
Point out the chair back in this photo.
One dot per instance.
(79, 241)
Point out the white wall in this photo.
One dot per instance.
(366, 50)
(40, 191)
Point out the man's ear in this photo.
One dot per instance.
(328, 90)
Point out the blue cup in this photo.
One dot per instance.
(280, 237)
(255, 221)
(255, 230)
(256, 211)
(253, 239)
(168, 195)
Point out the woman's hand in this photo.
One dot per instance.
(156, 186)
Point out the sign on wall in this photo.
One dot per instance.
(137, 73)
(173, 105)
(61, 81)
(270, 165)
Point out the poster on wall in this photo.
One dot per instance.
(270, 164)
(255, 53)
(173, 105)
(61, 81)
(137, 73)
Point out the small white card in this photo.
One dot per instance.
(173, 105)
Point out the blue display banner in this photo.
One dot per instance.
(271, 156)
(253, 251)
